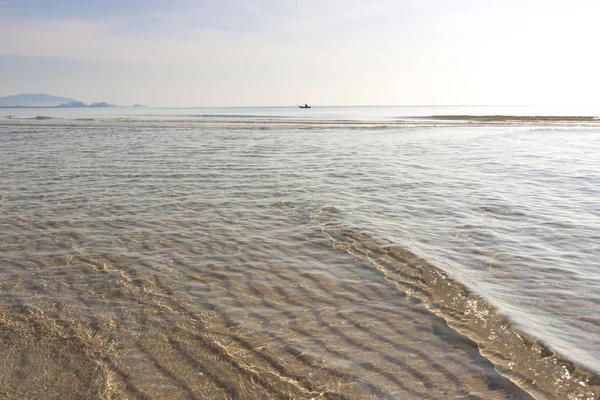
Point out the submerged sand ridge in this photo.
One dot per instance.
(515, 354)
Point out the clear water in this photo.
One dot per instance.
(270, 237)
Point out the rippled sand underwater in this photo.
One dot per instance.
(218, 320)
(137, 266)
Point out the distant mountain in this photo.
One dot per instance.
(73, 104)
(102, 104)
(33, 100)
(46, 101)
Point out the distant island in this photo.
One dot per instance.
(41, 100)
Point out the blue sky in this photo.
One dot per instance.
(329, 52)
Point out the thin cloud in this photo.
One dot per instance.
(344, 52)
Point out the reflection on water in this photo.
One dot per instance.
(182, 261)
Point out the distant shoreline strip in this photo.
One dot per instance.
(398, 122)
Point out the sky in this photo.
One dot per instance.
(321, 52)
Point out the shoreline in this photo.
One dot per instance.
(515, 354)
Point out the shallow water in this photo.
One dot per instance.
(257, 254)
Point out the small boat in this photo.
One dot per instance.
(304, 106)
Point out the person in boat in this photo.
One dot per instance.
(305, 105)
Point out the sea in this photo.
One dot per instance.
(424, 252)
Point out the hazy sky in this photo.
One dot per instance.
(283, 52)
